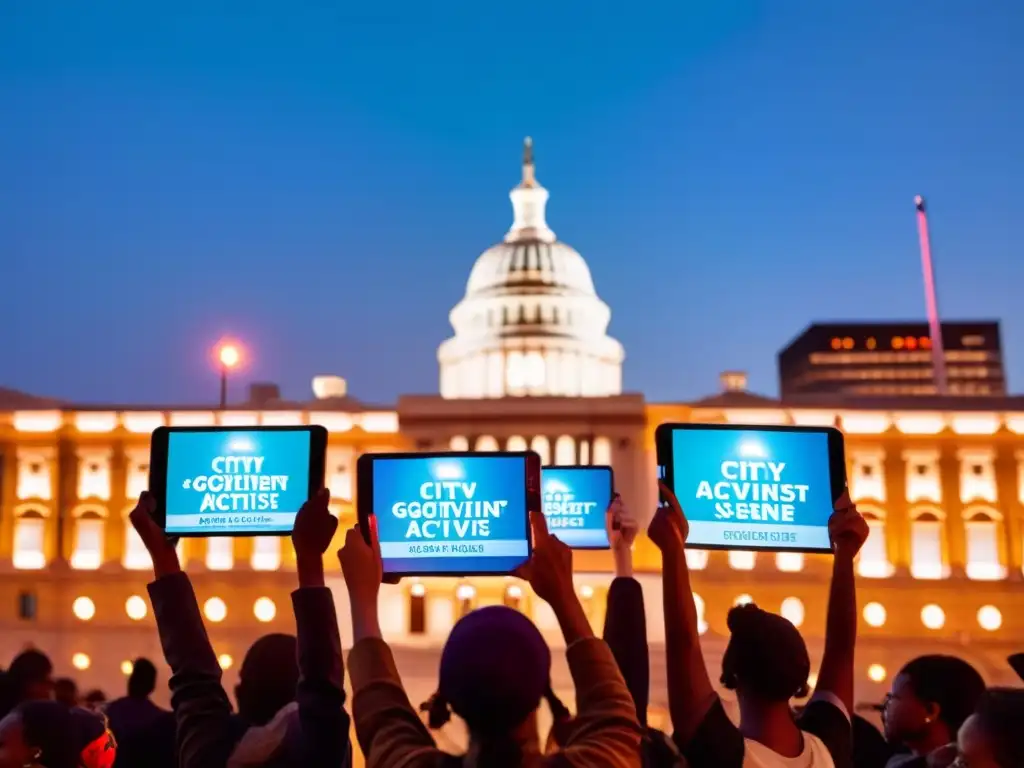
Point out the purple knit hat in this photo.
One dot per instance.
(495, 668)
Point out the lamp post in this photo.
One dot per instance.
(229, 355)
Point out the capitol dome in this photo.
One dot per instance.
(531, 322)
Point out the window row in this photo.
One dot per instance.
(567, 450)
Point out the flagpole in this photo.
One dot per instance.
(931, 300)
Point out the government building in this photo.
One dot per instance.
(530, 364)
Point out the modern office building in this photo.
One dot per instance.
(530, 365)
(891, 360)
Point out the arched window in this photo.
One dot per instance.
(266, 553)
(742, 560)
(873, 560)
(417, 609)
(565, 451)
(602, 451)
(458, 443)
(981, 529)
(516, 443)
(696, 559)
(30, 538)
(220, 553)
(539, 444)
(465, 594)
(789, 562)
(90, 525)
(486, 444)
(926, 545)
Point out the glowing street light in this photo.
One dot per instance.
(229, 357)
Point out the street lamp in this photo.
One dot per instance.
(229, 355)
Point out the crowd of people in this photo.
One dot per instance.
(494, 674)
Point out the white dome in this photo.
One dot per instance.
(531, 322)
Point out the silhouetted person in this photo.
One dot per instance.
(870, 749)
(47, 734)
(95, 700)
(29, 678)
(993, 736)
(139, 725)
(65, 690)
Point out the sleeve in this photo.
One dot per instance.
(201, 707)
(390, 732)
(717, 741)
(827, 718)
(320, 693)
(625, 631)
(606, 728)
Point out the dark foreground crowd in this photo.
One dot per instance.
(495, 674)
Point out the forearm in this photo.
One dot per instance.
(623, 562)
(690, 692)
(836, 674)
(572, 618)
(310, 570)
(365, 619)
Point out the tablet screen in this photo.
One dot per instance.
(452, 514)
(236, 482)
(753, 489)
(575, 501)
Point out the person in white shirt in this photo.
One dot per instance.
(766, 663)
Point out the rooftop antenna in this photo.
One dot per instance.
(931, 300)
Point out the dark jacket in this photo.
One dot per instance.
(625, 632)
(144, 733)
(315, 735)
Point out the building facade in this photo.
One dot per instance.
(530, 366)
(892, 360)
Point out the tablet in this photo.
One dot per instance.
(750, 487)
(455, 514)
(234, 481)
(575, 501)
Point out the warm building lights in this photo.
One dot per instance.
(876, 673)
(698, 603)
(225, 661)
(264, 609)
(743, 600)
(874, 614)
(126, 668)
(990, 618)
(81, 661)
(586, 591)
(514, 591)
(812, 681)
(214, 609)
(83, 608)
(417, 590)
(465, 592)
(933, 617)
(793, 610)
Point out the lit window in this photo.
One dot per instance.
(81, 661)
(540, 445)
(867, 480)
(136, 608)
(741, 560)
(465, 593)
(136, 557)
(602, 451)
(926, 548)
(220, 553)
(743, 600)
(983, 561)
(789, 562)
(533, 371)
(34, 474)
(847, 343)
(516, 443)
(874, 614)
(88, 552)
(990, 618)
(933, 617)
(876, 673)
(215, 609)
(837, 343)
(458, 443)
(486, 444)
(871, 342)
(873, 561)
(696, 559)
(94, 474)
(897, 342)
(977, 476)
(225, 661)
(29, 534)
(264, 609)
(266, 553)
(565, 451)
(83, 608)
(698, 602)
(793, 611)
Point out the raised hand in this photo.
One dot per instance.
(669, 527)
(361, 563)
(549, 570)
(847, 528)
(311, 536)
(622, 527)
(161, 550)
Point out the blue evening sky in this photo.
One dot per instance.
(318, 178)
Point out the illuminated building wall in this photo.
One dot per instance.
(891, 360)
